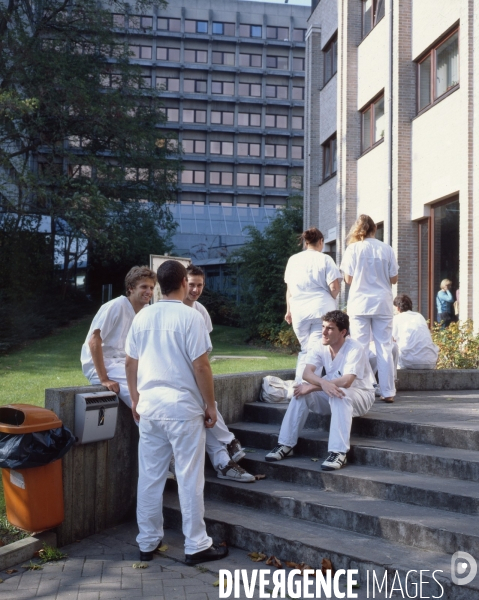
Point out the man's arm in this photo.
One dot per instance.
(345, 381)
(287, 316)
(131, 369)
(95, 345)
(204, 380)
(348, 279)
(329, 387)
(394, 279)
(334, 288)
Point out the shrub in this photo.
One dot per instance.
(458, 345)
(222, 310)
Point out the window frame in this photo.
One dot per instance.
(330, 49)
(249, 119)
(248, 175)
(276, 86)
(374, 19)
(194, 171)
(275, 126)
(221, 173)
(302, 122)
(303, 36)
(275, 152)
(328, 145)
(196, 61)
(196, 86)
(275, 184)
(223, 112)
(168, 59)
(196, 21)
(222, 87)
(213, 52)
(195, 110)
(222, 152)
(371, 106)
(301, 146)
(194, 151)
(303, 63)
(170, 108)
(249, 144)
(168, 79)
(249, 95)
(250, 55)
(275, 57)
(250, 26)
(141, 47)
(168, 19)
(223, 24)
(275, 37)
(142, 20)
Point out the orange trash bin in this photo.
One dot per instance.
(33, 496)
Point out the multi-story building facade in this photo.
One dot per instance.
(392, 113)
(232, 75)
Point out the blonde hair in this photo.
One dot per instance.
(135, 274)
(445, 282)
(362, 228)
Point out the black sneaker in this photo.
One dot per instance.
(279, 452)
(147, 556)
(335, 461)
(235, 450)
(211, 553)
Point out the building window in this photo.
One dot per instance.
(250, 89)
(373, 123)
(169, 24)
(438, 71)
(118, 20)
(170, 54)
(276, 62)
(223, 58)
(172, 114)
(145, 82)
(139, 22)
(297, 182)
(249, 119)
(194, 116)
(194, 146)
(329, 158)
(223, 28)
(275, 151)
(223, 87)
(277, 121)
(276, 181)
(194, 86)
(277, 91)
(298, 93)
(250, 60)
(297, 152)
(247, 179)
(142, 52)
(297, 122)
(219, 117)
(299, 35)
(330, 56)
(224, 148)
(189, 176)
(196, 56)
(248, 149)
(277, 33)
(196, 26)
(169, 84)
(373, 12)
(298, 64)
(221, 178)
(254, 31)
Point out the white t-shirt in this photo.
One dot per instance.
(113, 320)
(351, 359)
(166, 338)
(370, 263)
(308, 275)
(205, 314)
(414, 340)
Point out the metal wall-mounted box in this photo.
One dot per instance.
(95, 416)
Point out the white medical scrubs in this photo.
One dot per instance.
(412, 335)
(308, 276)
(371, 263)
(358, 399)
(166, 338)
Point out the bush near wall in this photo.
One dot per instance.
(458, 345)
(222, 310)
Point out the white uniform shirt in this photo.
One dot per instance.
(414, 340)
(351, 359)
(308, 275)
(370, 263)
(166, 338)
(113, 320)
(205, 314)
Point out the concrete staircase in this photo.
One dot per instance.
(408, 499)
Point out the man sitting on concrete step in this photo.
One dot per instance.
(346, 390)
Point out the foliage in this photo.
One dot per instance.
(221, 309)
(51, 554)
(261, 265)
(458, 345)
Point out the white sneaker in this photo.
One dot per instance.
(279, 452)
(377, 390)
(236, 473)
(335, 460)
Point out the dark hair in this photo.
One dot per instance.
(194, 270)
(311, 236)
(170, 276)
(339, 318)
(403, 303)
(135, 274)
(362, 228)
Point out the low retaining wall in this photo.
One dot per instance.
(438, 379)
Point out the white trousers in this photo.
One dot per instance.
(373, 361)
(342, 410)
(381, 328)
(116, 372)
(307, 330)
(158, 441)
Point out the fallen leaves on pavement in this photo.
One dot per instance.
(275, 562)
(257, 556)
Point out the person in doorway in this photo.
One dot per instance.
(370, 268)
(445, 304)
(103, 352)
(313, 283)
(344, 391)
(223, 448)
(172, 393)
(412, 335)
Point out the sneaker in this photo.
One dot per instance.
(281, 451)
(377, 390)
(171, 472)
(389, 399)
(335, 460)
(234, 472)
(211, 553)
(147, 556)
(235, 450)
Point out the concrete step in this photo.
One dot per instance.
(401, 422)
(410, 488)
(299, 541)
(389, 454)
(411, 525)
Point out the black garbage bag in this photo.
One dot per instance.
(22, 451)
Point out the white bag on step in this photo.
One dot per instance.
(275, 389)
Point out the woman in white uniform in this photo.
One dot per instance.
(370, 267)
(313, 281)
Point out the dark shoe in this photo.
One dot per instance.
(234, 472)
(147, 556)
(389, 399)
(335, 461)
(211, 553)
(235, 450)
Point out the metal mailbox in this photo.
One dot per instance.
(95, 416)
